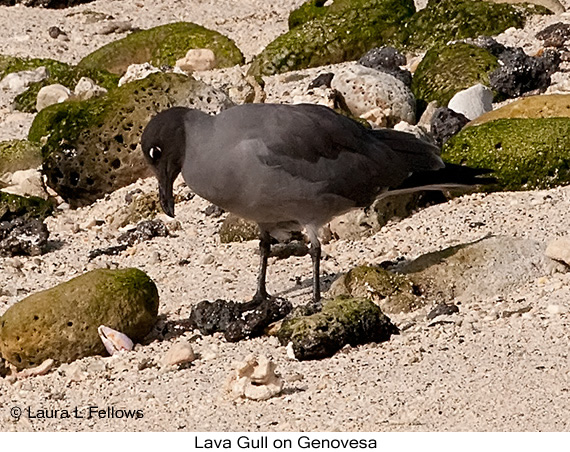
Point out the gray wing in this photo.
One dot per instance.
(316, 144)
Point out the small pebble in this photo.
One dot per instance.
(179, 353)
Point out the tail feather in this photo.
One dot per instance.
(451, 176)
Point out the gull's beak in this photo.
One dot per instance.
(165, 192)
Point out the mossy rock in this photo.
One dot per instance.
(307, 11)
(13, 206)
(394, 293)
(344, 33)
(443, 21)
(543, 106)
(16, 155)
(61, 323)
(62, 73)
(342, 321)
(162, 46)
(524, 154)
(92, 147)
(236, 229)
(446, 70)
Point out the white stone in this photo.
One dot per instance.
(25, 183)
(88, 89)
(179, 353)
(52, 94)
(137, 72)
(197, 60)
(559, 250)
(18, 82)
(376, 95)
(472, 102)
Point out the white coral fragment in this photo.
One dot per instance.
(255, 379)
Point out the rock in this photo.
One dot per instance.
(344, 31)
(13, 206)
(427, 116)
(442, 309)
(77, 169)
(197, 60)
(520, 73)
(23, 237)
(472, 102)
(523, 154)
(322, 80)
(443, 21)
(555, 35)
(238, 320)
(18, 82)
(16, 155)
(87, 89)
(115, 26)
(25, 183)
(61, 323)
(42, 369)
(236, 229)
(445, 71)
(395, 294)
(3, 369)
(56, 32)
(487, 268)
(59, 73)
(52, 94)
(388, 60)
(446, 123)
(145, 230)
(307, 11)
(161, 46)
(145, 206)
(366, 90)
(553, 5)
(542, 106)
(137, 72)
(342, 321)
(255, 379)
(114, 341)
(559, 250)
(179, 353)
(360, 223)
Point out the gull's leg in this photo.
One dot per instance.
(264, 249)
(315, 253)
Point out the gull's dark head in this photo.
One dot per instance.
(163, 144)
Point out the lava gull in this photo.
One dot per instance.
(290, 167)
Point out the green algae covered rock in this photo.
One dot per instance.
(394, 293)
(236, 229)
(91, 147)
(62, 73)
(61, 323)
(446, 70)
(13, 206)
(524, 154)
(307, 11)
(16, 155)
(161, 46)
(342, 321)
(442, 21)
(342, 33)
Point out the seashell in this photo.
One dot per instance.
(255, 379)
(114, 341)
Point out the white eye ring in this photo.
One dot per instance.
(155, 152)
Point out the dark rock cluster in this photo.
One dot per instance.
(238, 320)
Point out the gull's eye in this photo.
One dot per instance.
(154, 153)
